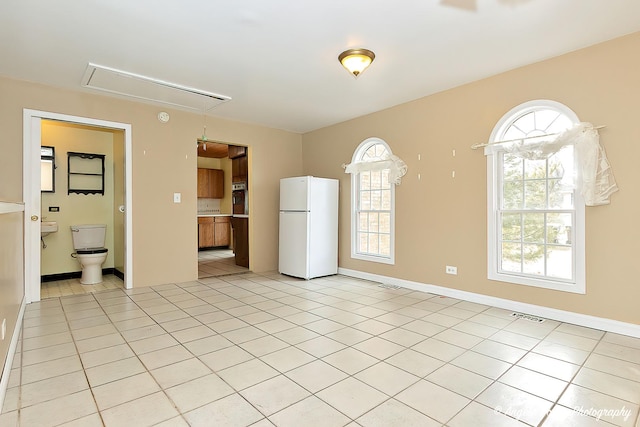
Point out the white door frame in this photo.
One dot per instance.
(31, 141)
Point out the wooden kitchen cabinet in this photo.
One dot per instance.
(239, 169)
(205, 232)
(213, 231)
(241, 240)
(237, 151)
(203, 183)
(221, 231)
(210, 183)
(216, 183)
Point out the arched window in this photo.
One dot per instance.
(372, 206)
(535, 211)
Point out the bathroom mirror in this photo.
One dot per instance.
(47, 170)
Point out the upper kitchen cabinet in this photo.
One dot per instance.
(239, 163)
(210, 183)
(239, 169)
(236, 151)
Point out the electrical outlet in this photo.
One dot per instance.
(177, 197)
(449, 269)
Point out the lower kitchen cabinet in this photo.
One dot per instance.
(221, 231)
(241, 240)
(205, 232)
(213, 231)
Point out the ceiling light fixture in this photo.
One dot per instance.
(356, 60)
(203, 140)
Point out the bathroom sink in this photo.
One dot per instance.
(48, 227)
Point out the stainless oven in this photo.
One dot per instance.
(239, 198)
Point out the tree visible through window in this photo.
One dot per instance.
(535, 217)
(372, 216)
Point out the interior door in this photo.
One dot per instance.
(32, 209)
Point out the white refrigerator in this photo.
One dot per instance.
(308, 227)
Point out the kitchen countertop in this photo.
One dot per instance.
(208, 214)
(240, 216)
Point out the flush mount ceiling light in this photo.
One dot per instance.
(356, 60)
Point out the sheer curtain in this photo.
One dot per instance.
(397, 167)
(598, 182)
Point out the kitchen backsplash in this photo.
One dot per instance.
(208, 206)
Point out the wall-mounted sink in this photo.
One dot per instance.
(48, 227)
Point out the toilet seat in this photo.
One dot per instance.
(90, 251)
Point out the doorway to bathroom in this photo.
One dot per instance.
(89, 188)
(102, 200)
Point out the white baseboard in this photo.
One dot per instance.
(586, 320)
(6, 369)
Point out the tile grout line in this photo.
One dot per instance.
(281, 287)
(352, 346)
(379, 360)
(164, 392)
(569, 383)
(84, 370)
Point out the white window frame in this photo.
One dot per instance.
(355, 190)
(578, 284)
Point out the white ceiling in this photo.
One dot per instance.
(277, 59)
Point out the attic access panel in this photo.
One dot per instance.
(133, 85)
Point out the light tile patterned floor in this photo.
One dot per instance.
(62, 288)
(265, 350)
(218, 262)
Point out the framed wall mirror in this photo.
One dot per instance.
(47, 170)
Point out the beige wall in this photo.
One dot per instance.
(164, 162)
(76, 208)
(442, 220)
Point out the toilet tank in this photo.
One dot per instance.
(87, 236)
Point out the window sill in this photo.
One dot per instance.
(576, 288)
(371, 258)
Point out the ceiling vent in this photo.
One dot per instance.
(149, 89)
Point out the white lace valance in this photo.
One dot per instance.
(595, 172)
(397, 167)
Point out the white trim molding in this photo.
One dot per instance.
(576, 283)
(11, 207)
(6, 369)
(600, 323)
(5, 373)
(355, 207)
(31, 192)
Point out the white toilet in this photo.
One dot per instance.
(88, 241)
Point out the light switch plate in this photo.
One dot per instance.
(177, 197)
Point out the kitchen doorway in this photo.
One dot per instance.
(218, 262)
(223, 209)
